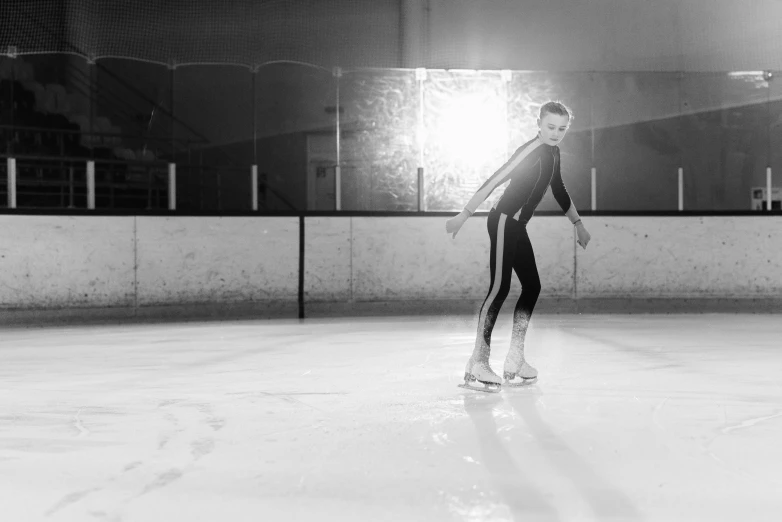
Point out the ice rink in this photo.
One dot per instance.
(634, 417)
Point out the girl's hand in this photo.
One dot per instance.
(583, 235)
(453, 225)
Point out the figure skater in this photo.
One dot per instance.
(531, 170)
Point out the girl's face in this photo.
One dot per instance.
(553, 128)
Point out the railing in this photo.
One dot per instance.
(70, 183)
(49, 182)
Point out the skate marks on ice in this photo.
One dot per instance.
(186, 436)
(70, 498)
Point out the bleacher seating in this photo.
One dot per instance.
(48, 125)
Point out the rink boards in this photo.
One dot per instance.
(57, 262)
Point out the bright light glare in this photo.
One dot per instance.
(472, 129)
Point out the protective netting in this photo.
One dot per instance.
(699, 35)
(330, 33)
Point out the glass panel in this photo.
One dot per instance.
(379, 150)
(637, 145)
(134, 104)
(530, 90)
(296, 147)
(132, 132)
(42, 110)
(213, 114)
(637, 129)
(38, 114)
(50, 183)
(131, 184)
(67, 107)
(466, 135)
(775, 137)
(216, 188)
(724, 139)
(6, 103)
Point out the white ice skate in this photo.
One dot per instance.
(517, 372)
(480, 371)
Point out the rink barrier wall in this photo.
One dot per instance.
(118, 267)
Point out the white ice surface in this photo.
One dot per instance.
(647, 418)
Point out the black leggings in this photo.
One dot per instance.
(511, 250)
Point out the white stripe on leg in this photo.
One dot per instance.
(495, 288)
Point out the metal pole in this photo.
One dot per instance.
(172, 162)
(254, 171)
(420, 76)
(200, 179)
(11, 182)
(421, 205)
(768, 76)
(681, 189)
(172, 186)
(680, 77)
(92, 140)
(338, 168)
(254, 185)
(592, 136)
(91, 184)
(768, 188)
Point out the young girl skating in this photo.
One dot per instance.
(531, 170)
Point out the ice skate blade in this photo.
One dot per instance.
(523, 383)
(488, 388)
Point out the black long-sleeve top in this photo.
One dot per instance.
(531, 170)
